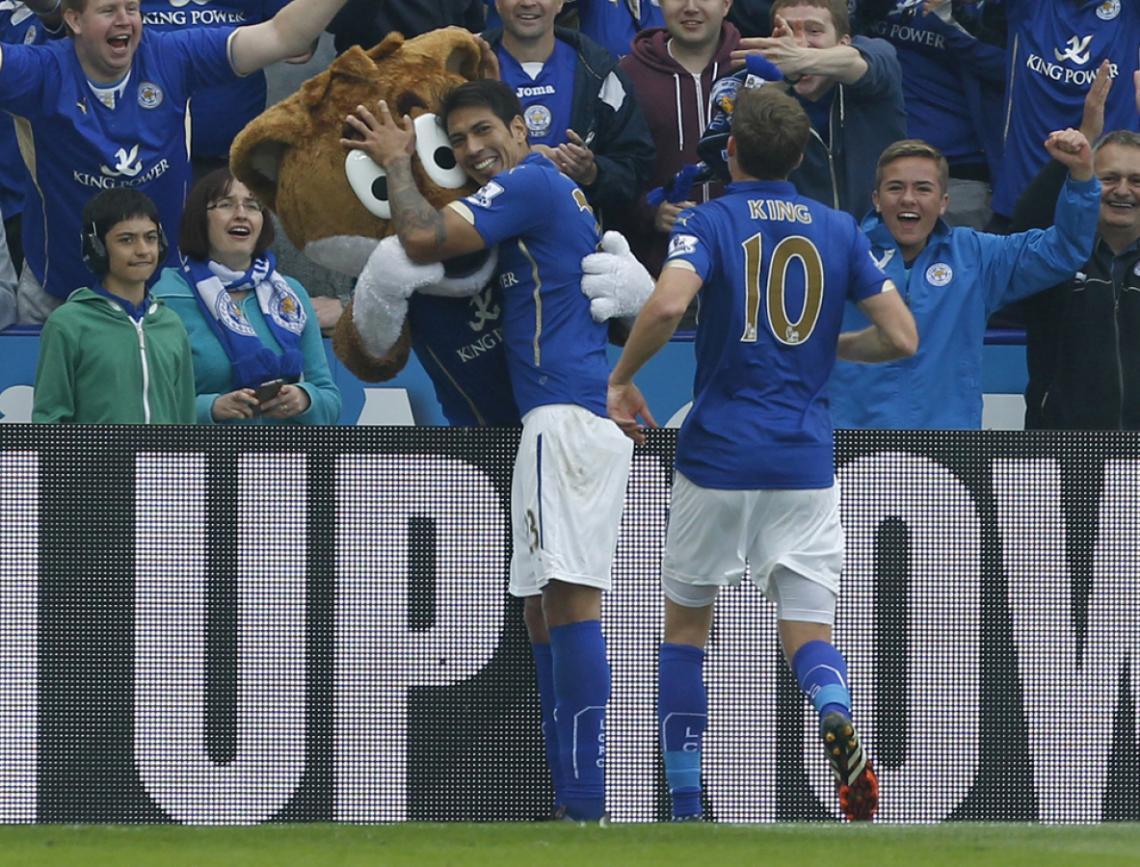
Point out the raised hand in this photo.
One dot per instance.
(1071, 148)
(382, 137)
(1092, 121)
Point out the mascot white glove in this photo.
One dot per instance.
(614, 281)
(380, 301)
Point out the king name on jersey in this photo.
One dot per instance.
(778, 210)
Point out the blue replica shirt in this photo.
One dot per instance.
(777, 269)
(217, 113)
(544, 227)
(459, 342)
(936, 108)
(546, 99)
(613, 23)
(18, 26)
(1055, 47)
(80, 146)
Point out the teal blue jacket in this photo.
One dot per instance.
(213, 374)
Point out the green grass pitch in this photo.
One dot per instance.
(504, 845)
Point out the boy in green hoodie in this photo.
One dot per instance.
(112, 354)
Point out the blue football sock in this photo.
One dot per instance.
(582, 690)
(821, 672)
(544, 674)
(682, 714)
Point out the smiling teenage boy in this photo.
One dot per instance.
(952, 279)
(111, 354)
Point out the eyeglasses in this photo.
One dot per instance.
(230, 206)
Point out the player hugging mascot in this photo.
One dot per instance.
(334, 207)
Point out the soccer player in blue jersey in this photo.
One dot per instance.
(107, 108)
(573, 462)
(755, 474)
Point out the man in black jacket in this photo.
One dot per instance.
(1083, 336)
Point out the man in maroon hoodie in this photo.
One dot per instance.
(672, 70)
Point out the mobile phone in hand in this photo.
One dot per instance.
(268, 390)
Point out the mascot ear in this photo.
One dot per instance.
(255, 156)
(463, 60)
(389, 45)
(353, 65)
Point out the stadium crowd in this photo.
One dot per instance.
(906, 154)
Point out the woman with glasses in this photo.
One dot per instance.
(256, 342)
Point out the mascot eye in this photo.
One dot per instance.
(435, 154)
(369, 182)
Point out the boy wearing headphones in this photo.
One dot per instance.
(112, 354)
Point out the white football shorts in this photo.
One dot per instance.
(567, 495)
(712, 533)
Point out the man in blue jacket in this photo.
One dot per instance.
(851, 89)
(952, 280)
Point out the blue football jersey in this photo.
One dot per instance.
(1055, 47)
(218, 113)
(75, 145)
(612, 23)
(777, 269)
(459, 342)
(19, 25)
(556, 353)
(546, 99)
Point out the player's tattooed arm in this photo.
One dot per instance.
(419, 225)
(428, 235)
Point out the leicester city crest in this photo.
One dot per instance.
(150, 94)
(538, 120)
(230, 315)
(287, 310)
(939, 274)
(1108, 10)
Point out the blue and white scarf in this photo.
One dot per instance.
(252, 361)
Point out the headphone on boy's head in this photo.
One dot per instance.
(95, 251)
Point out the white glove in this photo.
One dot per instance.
(380, 300)
(614, 281)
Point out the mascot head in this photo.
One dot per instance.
(333, 204)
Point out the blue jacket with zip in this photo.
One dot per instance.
(955, 283)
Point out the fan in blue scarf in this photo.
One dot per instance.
(252, 361)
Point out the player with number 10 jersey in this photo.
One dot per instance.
(777, 269)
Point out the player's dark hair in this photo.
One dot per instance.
(838, 9)
(194, 234)
(1123, 137)
(116, 205)
(483, 93)
(771, 130)
(913, 147)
